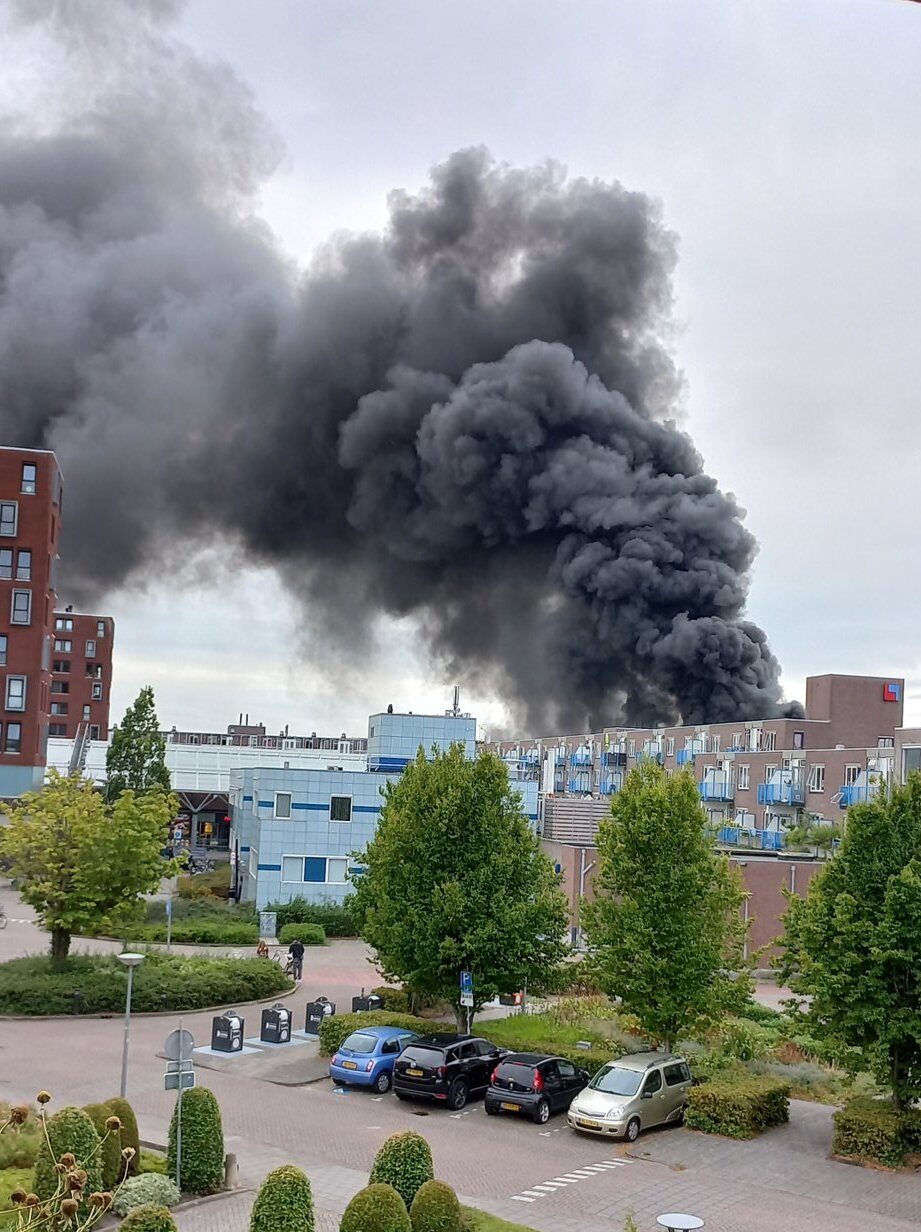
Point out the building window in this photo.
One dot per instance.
(631, 748)
(13, 738)
(770, 742)
(57, 729)
(60, 686)
(4, 644)
(100, 628)
(340, 808)
(91, 649)
(86, 712)
(94, 732)
(669, 746)
(6, 562)
(816, 778)
(315, 868)
(64, 624)
(744, 777)
(61, 665)
(851, 774)
(292, 868)
(736, 740)
(885, 742)
(799, 739)
(59, 707)
(283, 804)
(253, 862)
(21, 607)
(97, 692)
(29, 476)
(62, 645)
(769, 772)
(15, 692)
(336, 870)
(9, 517)
(24, 565)
(714, 743)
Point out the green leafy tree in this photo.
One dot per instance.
(666, 930)
(405, 1162)
(81, 863)
(136, 759)
(455, 880)
(853, 944)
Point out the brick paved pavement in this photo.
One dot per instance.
(782, 1181)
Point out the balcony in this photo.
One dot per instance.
(610, 784)
(650, 753)
(791, 794)
(616, 758)
(857, 793)
(580, 758)
(580, 785)
(757, 840)
(716, 787)
(685, 757)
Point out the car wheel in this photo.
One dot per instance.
(542, 1112)
(633, 1129)
(491, 1109)
(382, 1082)
(457, 1096)
(679, 1119)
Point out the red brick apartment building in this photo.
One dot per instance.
(81, 674)
(31, 690)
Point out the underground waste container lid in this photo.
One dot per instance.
(680, 1223)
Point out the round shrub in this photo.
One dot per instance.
(405, 1162)
(129, 1132)
(68, 1130)
(202, 1166)
(151, 1189)
(110, 1155)
(284, 1203)
(149, 1218)
(435, 1208)
(378, 1208)
(308, 934)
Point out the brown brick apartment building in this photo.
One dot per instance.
(81, 674)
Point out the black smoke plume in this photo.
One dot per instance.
(463, 420)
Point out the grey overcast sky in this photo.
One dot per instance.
(781, 138)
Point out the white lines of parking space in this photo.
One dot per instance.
(546, 1188)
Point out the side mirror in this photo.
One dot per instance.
(646, 1095)
(584, 1075)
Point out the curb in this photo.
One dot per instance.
(205, 1009)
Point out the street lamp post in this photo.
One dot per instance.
(130, 961)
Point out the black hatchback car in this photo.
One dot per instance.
(530, 1084)
(448, 1068)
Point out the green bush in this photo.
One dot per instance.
(149, 1218)
(68, 1130)
(435, 1208)
(151, 1189)
(161, 982)
(405, 1162)
(216, 883)
(110, 1155)
(309, 934)
(765, 1015)
(393, 1000)
(205, 931)
(738, 1104)
(202, 1165)
(129, 1131)
(872, 1129)
(336, 919)
(334, 1030)
(378, 1208)
(152, 1162)
(741, 1039)
(19, 1146)
(284, 1203)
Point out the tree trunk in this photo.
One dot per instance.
(60, 948)
(895, 1070)
(460, 1018)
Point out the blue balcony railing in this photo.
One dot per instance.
(612, 758)
(765, 840)
(609, 784)
(716, 789)
(728, 835)
(580, 759)
(857, 793)
(685, 757)
(781, 793)
(580, 784)
(654, 755)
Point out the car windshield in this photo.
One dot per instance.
(615, 1080)
(359, 1042)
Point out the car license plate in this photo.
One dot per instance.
(350, 1065)
(414, 1073)
(509, 1107)
(586, 1124)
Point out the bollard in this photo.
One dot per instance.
(231, 1171)
(76, 1001)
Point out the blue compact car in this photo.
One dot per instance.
(366, 1058)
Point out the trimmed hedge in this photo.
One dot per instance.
(149, 1218)
(205, 931)
(405, 1162)
(68, 1130)
(110, 1156)
(336, 919)
(378, 1208)
(872, 1129)
(202, 1165)
(151, 1189)
(335, 1030)
(435, 1208)
(161, 982)
(309, 934)
(738, 1104)
(129, 1131)
(284, 1202)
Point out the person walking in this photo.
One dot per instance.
(296, 950)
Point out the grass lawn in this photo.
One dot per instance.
(479, 1221)
(152, 1161)
(10, 1179)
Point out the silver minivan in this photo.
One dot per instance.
(631, 1094)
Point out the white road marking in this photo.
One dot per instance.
(521, 1198)
(546, 1188)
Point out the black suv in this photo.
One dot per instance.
(533, 1084)
(445, 1067)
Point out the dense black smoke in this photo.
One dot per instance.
(463, 420)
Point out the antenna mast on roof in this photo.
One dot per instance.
(455, 711)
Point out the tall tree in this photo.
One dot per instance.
(665, 931)
(455, 880)
(81, 863)
(136, 759)
(853, 944)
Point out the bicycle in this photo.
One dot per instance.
(3, 920)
